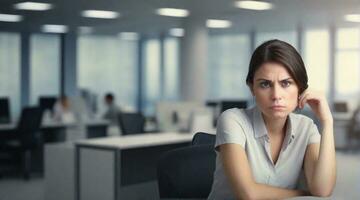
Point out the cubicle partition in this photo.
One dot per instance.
(5, 116)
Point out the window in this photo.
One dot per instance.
(10, 70)
(316, 58)
(347, 65)
(151, 78)
(108, 64)
(229, 57)
(171, 68)
(45, 66)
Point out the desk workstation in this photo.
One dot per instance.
(342, 121)
(54, 132)
(108, 168)
(94, 128)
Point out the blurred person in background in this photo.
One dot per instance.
(113, 110)
(63, 111)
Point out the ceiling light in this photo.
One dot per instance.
(352, 17)
(103, 14)
(10, 18)
(52, 28)
(33, 6)
(172, 12)
(129, 35)
(177, 32)
(216, 23)
(254, 5)
(85, 29)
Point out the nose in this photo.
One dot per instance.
(276, 93)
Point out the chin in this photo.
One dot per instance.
(277, 114)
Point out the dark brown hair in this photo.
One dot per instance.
(282, 53)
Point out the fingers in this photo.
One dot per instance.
(308, 95)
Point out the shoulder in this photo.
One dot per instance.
(233, 114)
(231, 127)
(234, 118)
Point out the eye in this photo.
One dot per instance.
(265, 84)
(285, 83)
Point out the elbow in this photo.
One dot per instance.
(249, 194)
(322, 192)
(248, 197)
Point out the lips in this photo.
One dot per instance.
(277, 107)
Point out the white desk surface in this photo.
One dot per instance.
(138, 140)
(90, 122)
(57, 124)
(44, 125)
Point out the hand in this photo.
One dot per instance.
(317, 103)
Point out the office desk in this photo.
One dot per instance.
(54, 131)
(116, 167)
(341, 123)
(12, 126)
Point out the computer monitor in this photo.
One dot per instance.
(232, 104)
(175, 116)
(47, 102)
(4, 111)
(341, 106)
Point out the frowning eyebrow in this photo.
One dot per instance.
(262, 79)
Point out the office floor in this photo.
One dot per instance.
(17, 189)
(347, 187)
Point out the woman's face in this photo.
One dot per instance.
(275, 91)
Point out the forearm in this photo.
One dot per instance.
(262, 191)
(324, 175)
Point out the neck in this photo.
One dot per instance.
(275, 126)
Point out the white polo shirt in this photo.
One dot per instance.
(246, 127)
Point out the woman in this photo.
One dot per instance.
(262, 150)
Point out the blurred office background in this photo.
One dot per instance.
(173, 62)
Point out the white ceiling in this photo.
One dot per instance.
(139, 15)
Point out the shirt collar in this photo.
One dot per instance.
(260, 128)
(290, 132)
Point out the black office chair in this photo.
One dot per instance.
(228, 104)
(25, 138)
(186, 172)
(131, 123)
(201, 138)
(47, 102)
(5, 116)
